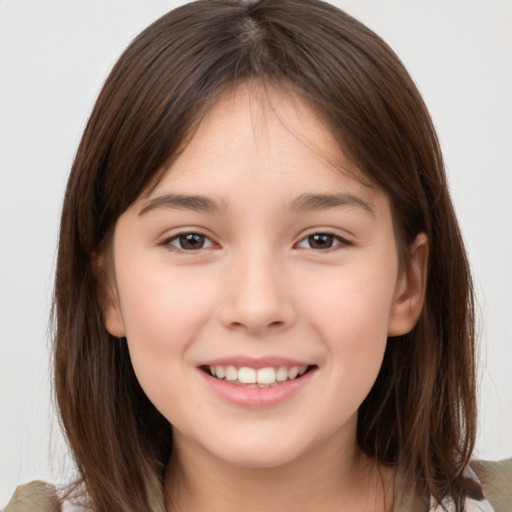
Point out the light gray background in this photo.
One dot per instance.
(54, 57)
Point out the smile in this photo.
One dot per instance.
(257, 377)
(257, 385)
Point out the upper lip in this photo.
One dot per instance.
(255, 362)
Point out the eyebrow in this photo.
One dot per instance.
(303, 203)
(311, 202)
(184, 202)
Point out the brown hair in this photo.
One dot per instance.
(420, 414)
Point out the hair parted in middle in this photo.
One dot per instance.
(420, 414)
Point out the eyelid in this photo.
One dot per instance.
(166, 241)
(342, 240)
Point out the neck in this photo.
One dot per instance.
(324, 480)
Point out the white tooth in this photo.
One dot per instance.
(302, 370)
(293, 372)
(282, 374)
(266, 376)
(220, 372)
(247, 375)
(231, 373)
(212, 370)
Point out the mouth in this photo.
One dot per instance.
(247, 376)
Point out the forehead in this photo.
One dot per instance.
(260, 129)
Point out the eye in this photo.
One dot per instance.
(323, 241)
(189, 242)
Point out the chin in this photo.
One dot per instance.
(259, 460)
(270, 452)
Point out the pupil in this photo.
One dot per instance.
(320, 241)
(192, 241)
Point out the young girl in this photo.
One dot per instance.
(262, 296)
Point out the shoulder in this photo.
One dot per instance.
(38, 496)
(496, 479)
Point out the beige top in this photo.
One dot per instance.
(496, 479)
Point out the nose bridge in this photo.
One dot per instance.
(257, 296)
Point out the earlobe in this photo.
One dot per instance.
(109, 303)
(114, 322)
(410, 289)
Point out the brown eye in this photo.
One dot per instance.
(189, 241)
(325, 241)
(320, 241)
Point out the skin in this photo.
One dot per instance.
(260, 287)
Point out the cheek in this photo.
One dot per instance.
(163, 312)
(160, 305)
(351, 303)
(352, 315)
(162, 319)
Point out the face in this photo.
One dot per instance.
(257, 285)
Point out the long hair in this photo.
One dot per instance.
(420, 415)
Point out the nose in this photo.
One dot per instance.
(257, 296)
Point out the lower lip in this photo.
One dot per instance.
(254, 397)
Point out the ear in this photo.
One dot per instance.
(114, 322)
(108, 297)
(410, 289)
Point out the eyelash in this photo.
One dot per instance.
(168, 242)
(336, 241)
